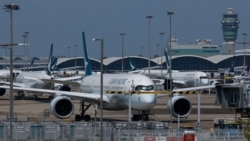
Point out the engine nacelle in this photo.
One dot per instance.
(61, 107)
(180, 106)
(2, 91)
(65, 88)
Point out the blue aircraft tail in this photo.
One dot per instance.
(167, 59)
(32, 61)
(53, 64)
(88, 70)
(49, 67)
(132, 66)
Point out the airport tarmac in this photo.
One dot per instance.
(34, 109)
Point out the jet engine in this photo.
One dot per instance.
(61, 107)
(180, 106)
(65, 88)
(2, 91)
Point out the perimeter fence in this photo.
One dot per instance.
(112, 131)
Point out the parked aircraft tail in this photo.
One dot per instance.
(32, 61)
(167, 59)
(88, 70)
(49, 67)
(132, 65)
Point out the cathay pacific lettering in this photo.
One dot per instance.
(118, 81)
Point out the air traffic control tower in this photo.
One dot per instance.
(230, 27)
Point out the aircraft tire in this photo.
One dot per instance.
(35, 97)
(87, 117)
(136, 117)
(78, 118)
(51, 97)
(21, 97)
(145, 117)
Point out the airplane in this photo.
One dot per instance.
(5, 73)
(124, 84)
(180, 78)
(35, 79)
(65, 72)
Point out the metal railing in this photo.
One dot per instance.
(112, 131)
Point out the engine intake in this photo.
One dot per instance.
(65, 88)
(2, 91)
(62, 107)
(179, 106)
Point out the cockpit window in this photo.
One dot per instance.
(145, 88)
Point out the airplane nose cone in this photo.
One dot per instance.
(204, 81)
(144, 101)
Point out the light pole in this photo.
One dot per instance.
(24, 51)
(170, 45)
(10, 8)
(101, 86)
(141, 50)
(68, 52)
(25, 41)
(169, 50)
(75, 55)
(161, 34)
(122, 34)
(244, 35)
(149, 42)
(157, 50)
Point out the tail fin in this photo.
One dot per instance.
(32, 61)
(167, 59)
(53, 64)
(49, 70)
(248, 68)
(88, 70)
(132, 66)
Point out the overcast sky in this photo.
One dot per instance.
(61, 22)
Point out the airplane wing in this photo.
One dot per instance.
(188, 90)
(193, 88)
(78, 95)
(178, 82)
(73, 78)
(14, 84)
(65, 81)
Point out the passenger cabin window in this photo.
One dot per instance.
(145, 88)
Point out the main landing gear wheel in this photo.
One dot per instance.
(20, 95)
(83, 116)
(143, 115)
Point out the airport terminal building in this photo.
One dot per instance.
(201, 55)
(114, 64)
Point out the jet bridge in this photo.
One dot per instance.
(234, 96)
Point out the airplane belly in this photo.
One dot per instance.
(117, 102)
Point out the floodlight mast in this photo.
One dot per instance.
(10, 8)
(101, 87)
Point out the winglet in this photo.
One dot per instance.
(88, 70)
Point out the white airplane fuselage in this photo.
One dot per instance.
(33, 80)
(122, 83)
(192, 78)
(188, 78)
(6, 73)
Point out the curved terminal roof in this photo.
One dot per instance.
(181, 62)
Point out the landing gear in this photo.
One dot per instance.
(51, 97)
(142, 115)
(83, 116)
(20, 95)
